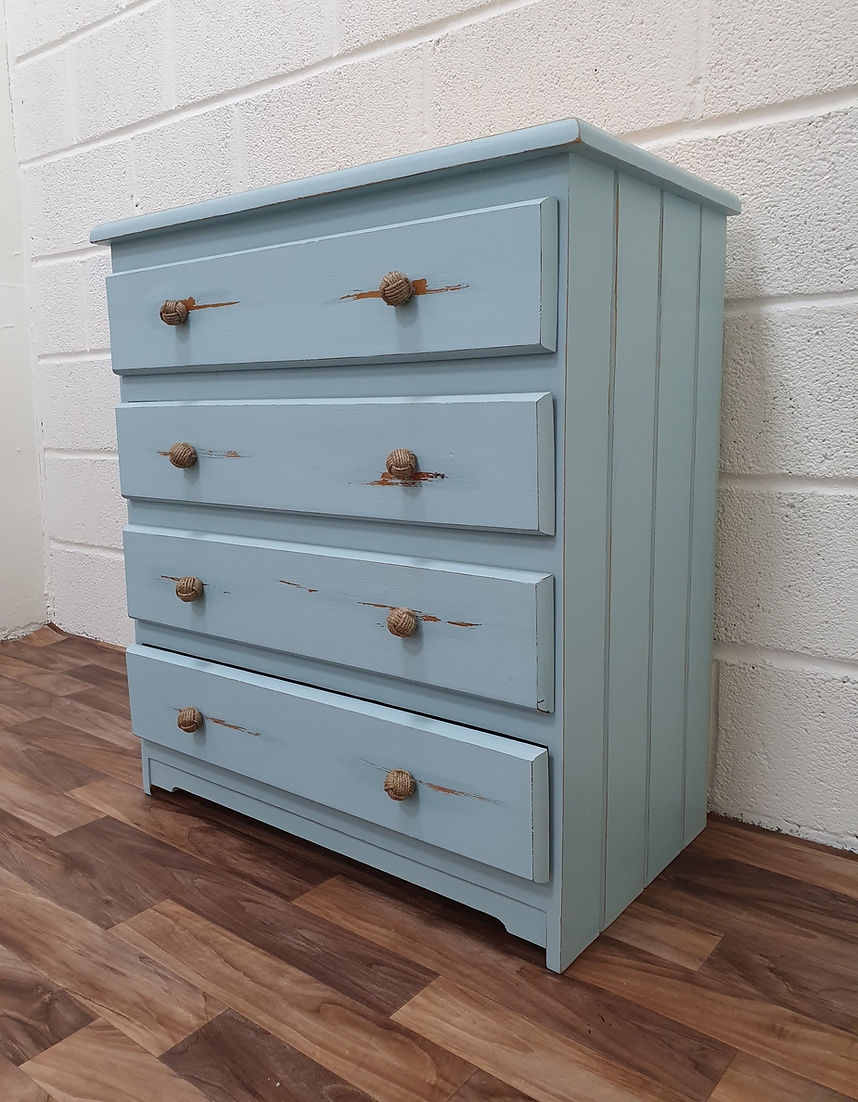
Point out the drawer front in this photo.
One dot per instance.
(483, 461)
(483, 631)
(475, 794)
(485, 283)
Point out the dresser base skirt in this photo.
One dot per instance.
(165, 769)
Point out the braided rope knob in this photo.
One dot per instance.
(174, 312)
(401, 622)
(395, 288)
(182, 455)
(401, 463)
(190, 720)
(399, 784)
(189, 589)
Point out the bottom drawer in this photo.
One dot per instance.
(479, 795)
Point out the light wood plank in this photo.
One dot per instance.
(664, 935)
(15, 1086)
(792, 1041)
(46, 810)
(143, 999)
(519, 1052)
(100, 1064)
(751, 1080)
(51, 681)
(116, 760)
(355, 1043)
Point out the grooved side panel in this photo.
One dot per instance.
(670, 568)
(712, 247)
(592, 227)
(634, 395)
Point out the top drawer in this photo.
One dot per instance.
(485, 283)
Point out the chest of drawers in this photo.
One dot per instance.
(420, 460)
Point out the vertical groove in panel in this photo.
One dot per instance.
(630, 526)
(578, 918)
(691, 484)
(708, 404)
(672, 530)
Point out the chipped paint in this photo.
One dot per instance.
(455, 792)
(297, 585)
(387, 479)
(461, 624)
(231, 726)
(213, 454)
(424, 617)
(419, 285)
(192, 304)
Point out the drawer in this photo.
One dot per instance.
(485, 283)
(483, 461)
(475, 794)
(478, 630)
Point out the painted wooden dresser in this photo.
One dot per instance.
(420, 460)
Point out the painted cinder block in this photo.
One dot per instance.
(220, 47)
(182, 162)
(88, 593)
(76, 400)
(797, 228)
(42, 104)
(787, 740)
(58, 306)
(495, 75)
(82, 499)
(787, 571)
(34, 25)
(358, 24)
(747, 65)
(789, 403)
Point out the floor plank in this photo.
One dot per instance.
(664, 935)
(41, 764)
(362, 1047)
(789, 1040)
(751, 1080)
(56, 682)
(114, 704)
(101, 1064)
(482, 1087)
(46, 810)
(34, 1013)
(233, 1060)
(684, 1060)
(121, 761)
(140, 997)
(71, 711)
(15, 1086)
(519, 1052)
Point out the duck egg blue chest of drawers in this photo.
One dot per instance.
(420, 460)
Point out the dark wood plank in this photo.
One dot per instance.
(739, 1018)
(113, 702)
(18, 751)
(47, 810)
(15, 1086)
(361, 1046)
(71, 711)
(142, 998)
(101, 1064)
(97, 754)
(92, 651)
(469, 949)
(234, 1060)
(46, 658)
(114, 852)
(34, 1013)
(56, 682)
(751, 1080)
(482, 1087)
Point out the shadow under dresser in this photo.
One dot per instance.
(421, 463)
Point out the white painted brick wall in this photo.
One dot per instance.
(125, 106)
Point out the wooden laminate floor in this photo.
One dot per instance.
(164, 950)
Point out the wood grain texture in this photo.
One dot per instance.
(752, 1080)
(96, 754)
(366, 1049)
(482, 1087)
(47, 810)
(664, 935)
(142, 998)
(518, 1051)
(234, 1060)
(15, 1086)
(34, 1013)
(100, 1064)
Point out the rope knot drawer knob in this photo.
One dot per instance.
(174, 312)
(401, 463)
(182, 455)
(395, 288)
(399, 784)
(190, 720)
(401, 622)
(189, 589)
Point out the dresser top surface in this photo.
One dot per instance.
(567, 136)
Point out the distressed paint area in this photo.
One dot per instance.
(387, 479)
(456, 792)
(213, 454)
(425, 618)
(297, 585)
(231, 726)
(192, 304)
(419, 286)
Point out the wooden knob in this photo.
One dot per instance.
(395, 288)
(401, 463)
(183, 455)
(189, 589)
(190, 720)
(174, 312)
(402, 622)
(399, 784)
